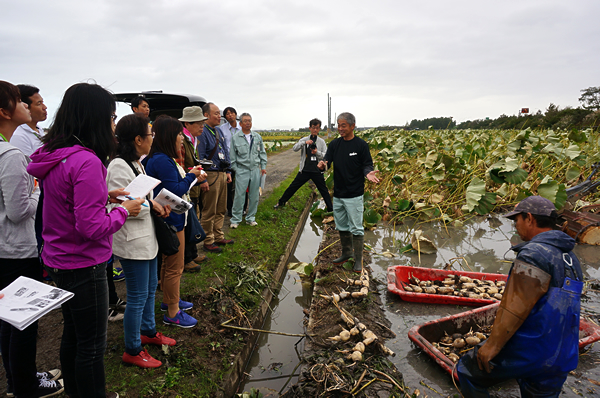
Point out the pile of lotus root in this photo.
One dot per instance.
(456, 285)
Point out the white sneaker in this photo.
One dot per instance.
(114, 316)
(51, 375)
(234, 226)
(253, 223)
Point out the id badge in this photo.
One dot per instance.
(313, 158)
(221, 156)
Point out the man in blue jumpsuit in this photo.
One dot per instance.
(536, 331)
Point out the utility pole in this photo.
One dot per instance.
(328, 115)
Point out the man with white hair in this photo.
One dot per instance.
(353, 163)
(249, 162)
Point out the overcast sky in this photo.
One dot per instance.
(388, 62)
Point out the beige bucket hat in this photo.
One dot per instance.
(192, 114)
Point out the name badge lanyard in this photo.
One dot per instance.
(221, 156)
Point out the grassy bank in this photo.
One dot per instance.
(229, 286)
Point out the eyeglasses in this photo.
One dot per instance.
(152, 134)
(113, 117)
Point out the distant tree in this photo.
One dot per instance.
(590, 98)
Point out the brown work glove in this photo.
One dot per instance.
(526, 285)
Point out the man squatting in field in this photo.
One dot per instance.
(535, 337)
(353, 162)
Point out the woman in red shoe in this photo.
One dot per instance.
(135, 244)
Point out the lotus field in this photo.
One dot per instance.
(449, 174)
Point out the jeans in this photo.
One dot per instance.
(141, 281)
(301, 179)
(84, 334)
(19, 347)
(348, 214)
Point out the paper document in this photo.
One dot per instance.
(177, 204)
(26, 300)
(263, 180)
(140, 186)
(202, 174)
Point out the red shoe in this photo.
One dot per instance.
(143, 360)
(213, 248)
(224, 242)
(159, 339)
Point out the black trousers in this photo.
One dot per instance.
(19, 347)
(301, 179)
(230, 193)
(190, 251)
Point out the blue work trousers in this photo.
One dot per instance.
(250, 180)
(348, 214)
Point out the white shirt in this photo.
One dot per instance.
(228, 132)
(26, 139)
(248, 137)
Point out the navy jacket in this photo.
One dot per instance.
(163, 168)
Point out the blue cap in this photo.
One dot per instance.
(535, 205)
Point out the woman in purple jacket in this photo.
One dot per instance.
(77, 229)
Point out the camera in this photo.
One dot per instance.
(312, 146)
(224, 165)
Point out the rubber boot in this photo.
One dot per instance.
(525, 286)
(346, 241)
(358, 243)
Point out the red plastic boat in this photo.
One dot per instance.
(399, 274)
(423, 335)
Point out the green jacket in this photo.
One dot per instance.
(190, 160)
(243, 157)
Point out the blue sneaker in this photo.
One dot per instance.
(118, 274)
(182, 320)
(183, 306)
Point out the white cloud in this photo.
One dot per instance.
(386, 61)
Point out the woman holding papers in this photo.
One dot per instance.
(135, 244)
(161, 164)
(77, 228)
(18, 249)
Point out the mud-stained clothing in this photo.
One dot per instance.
(545, 348)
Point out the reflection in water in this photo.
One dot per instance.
(484, 243)
(275, 357)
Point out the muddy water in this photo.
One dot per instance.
(484, 244)
(276, 356)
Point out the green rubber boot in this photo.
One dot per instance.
(346, 241)
(358, 243)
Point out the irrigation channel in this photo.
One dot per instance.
(484, 244)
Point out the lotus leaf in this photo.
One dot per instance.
(573, 173)
(397, 180)
(553, 191)
(370, 216)
(572, 151)
(503, 190)
(436, 198)
(421, 244)
(300, 268)
(403, 205)
(475, 192)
